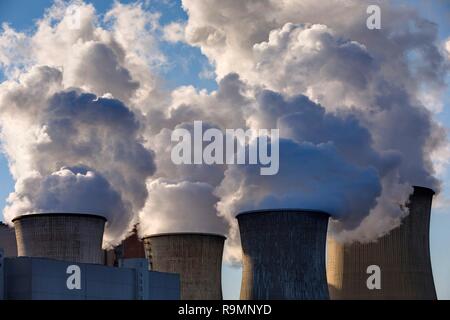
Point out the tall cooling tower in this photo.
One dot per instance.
(61, 236)
(403, 257)
(283, 254)
(197, 257)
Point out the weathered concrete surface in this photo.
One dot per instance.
(283, 254)
(196, 257)
(403, 257)
(61, 236)
(8, 241)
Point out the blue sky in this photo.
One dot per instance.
(21, 14)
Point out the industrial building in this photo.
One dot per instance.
(61, 257)
(403, 258)
(283, 254)
(130, 248)
(26, 278)
(197, 257)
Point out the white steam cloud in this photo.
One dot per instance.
(361, 119)
(69, 148)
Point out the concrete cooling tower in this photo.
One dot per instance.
(61, 236)
(283, 254)
(403, 257)
(8, 241)
(196, 257)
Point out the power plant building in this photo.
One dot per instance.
(403, 258)
(26, 278)
(283, 254)
(61, 257)
(130, 248)
(196, 257)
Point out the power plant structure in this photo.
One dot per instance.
(131, 248)
(61, 236)
(196, 257)
(283, 254)
(286, 255)
(8, 240)
(61, 257)
(403, 258)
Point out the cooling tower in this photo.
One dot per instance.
(196, 257)
(403, 257)
(283, 254)
(61, 236)
(8, 241)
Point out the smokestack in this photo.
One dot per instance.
(197, 257)
(283, 254)
(61, 236)
(403, 256)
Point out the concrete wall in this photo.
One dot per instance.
(403, 257)
(35, 278)
(68, 237)
(8, 240)
(283, 254)
(196, 257)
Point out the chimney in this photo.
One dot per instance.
(197, 257)
(403, 257)
(61, 236)
(283, 254)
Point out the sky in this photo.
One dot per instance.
(439, 12)
(188, 66)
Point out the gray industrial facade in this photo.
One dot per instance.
(25, 278)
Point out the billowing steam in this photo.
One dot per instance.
(349, 103)
(72, 146)
(83, 110)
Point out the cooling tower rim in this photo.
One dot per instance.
(425, 189)
(299, 211)
(59, 214)
(165, 234)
